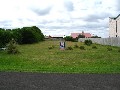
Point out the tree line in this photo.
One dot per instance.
(25, 35)
(70, 38)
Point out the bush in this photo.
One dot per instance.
(109, 48)
(76, 46)
(69, 48)
(11, 47)
(94, 47)
(51, 47)
(82, 47)
(88, 42)
(118, 50)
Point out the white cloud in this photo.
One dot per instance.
(56, 17)
(69, 5)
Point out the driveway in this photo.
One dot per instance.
(58, 81)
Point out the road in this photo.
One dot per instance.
(58, 81)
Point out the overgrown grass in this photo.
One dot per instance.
(39, 58)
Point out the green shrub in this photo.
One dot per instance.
(118, 50)
(51, 47)
(76, 46)
(109, 48)
(88, 42)
(82, 47)
(94, 47)
(69, 48)
(11, 47)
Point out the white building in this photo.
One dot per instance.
(114, 26)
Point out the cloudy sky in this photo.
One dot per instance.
(59, 17)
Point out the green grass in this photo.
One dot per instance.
(39, 58)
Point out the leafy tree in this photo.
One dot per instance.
(39, 35)
(25, 35)
(28, 36)
(95, 37)
(5, 37)
(17, 35)
(81, 36)
(31, 35)
(69, 38)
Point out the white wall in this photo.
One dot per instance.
(104, 41)
(112, 27)
(118, 26)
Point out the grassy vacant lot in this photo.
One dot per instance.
(38, 58)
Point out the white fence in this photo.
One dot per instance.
(103, 41)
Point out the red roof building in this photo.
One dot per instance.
(75, 35)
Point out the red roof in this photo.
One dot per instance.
(87, 35)
(74, 35)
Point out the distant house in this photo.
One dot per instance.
(114, 26)
(47, 37)
(58, 36)
(75, 35)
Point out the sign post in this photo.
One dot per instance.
(62, 45)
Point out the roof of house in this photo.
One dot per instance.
(117, 16)
(74, 35)
(87, 34)
(114, 17)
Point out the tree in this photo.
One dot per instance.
(28, 35)
(17, 35)
(25, 35)
(95, 37)
(31, 35)
(81, 36)
(5, 37)
(69, 38)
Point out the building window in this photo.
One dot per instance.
(116, 26)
